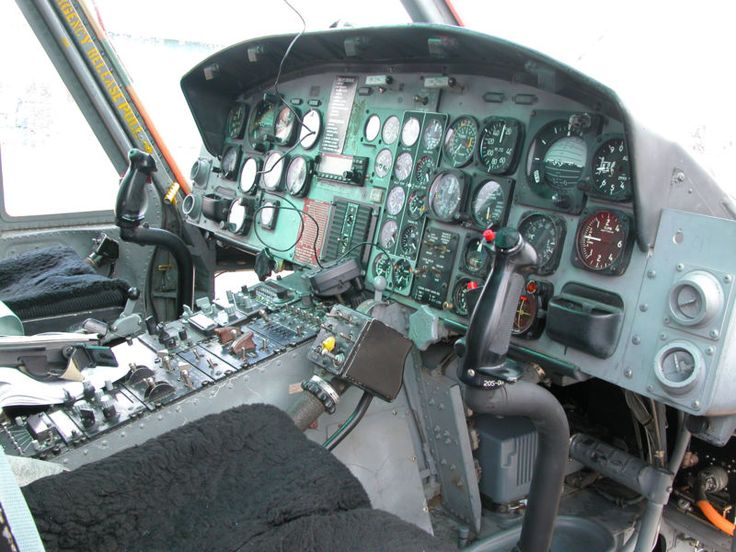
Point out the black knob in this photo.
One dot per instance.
(151, 325)
(88, 390)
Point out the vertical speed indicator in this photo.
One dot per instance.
(498, 145)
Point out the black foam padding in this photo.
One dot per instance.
(358, 530)
(54, 280)
(215, 484)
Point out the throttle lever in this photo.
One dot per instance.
(489, 332)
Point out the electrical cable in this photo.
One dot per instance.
(344, 430)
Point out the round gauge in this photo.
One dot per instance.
(460, 141)
(546, 236)
(273, 169)
(557, 157)
(382, 266)
(498, 143)
(268, 214)
(432, 134)
(695, 298)
(391, 130)
(403, 166)
(311, 129)
(423, 170)
(387, 237)
(409, 240)
(460, 296)
(248, 175)
(230, 161)
(395, 200)
(402, 273)
(285, 125)
(410, 132)
(526, 314)
(611, 170)
(297, 176)
(477, 257)
(446, 196)
(372, 128)
(677, 366)
(262, 123)
(236, 217)
(489, 204)
(416, 205)
(600, 240)
(236, 120)
(384, 159)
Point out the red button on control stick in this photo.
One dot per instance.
(489, 235)
(471, 285)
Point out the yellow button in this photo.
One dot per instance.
(328, 344)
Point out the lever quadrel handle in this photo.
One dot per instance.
(130, 206)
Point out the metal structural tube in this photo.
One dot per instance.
(546, 413)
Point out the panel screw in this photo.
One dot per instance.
(628, 373)
(644, 307)
(728, 278)
(710, 350)
(663, 336)
(651, 274)
(714, 333)
(680, 267)
(636, 340)
(471, 373)
(696, 405)
(650, 388)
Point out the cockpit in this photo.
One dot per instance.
(472, 302)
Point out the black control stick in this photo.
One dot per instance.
(130, 209)
(493, 387)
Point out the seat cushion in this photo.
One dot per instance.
(214, 484)
(54, 280)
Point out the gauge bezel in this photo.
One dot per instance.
(240, 226)
(385, 223)
(489, 262)
(372, 117)
(383, 130)
(406, 267)
(620, 264)
(390, 165)
(231, 175)
(460, 212)
(461, 285)
(709, 291)
(289, 139)
(265, 205)
(401, 155)
(533, 302)
(518, 146)
(427, 122)
(254, 185)
(279, 186)
(389, 273)
(590, 186)
(507, 187)
(265, 133)
(304, 186)
(561, 228)
(407, 121)
(310, 139)
(445, 156)
(403, 200)
(687, 385)
(404, 230)
(241, 129)
(409, 212)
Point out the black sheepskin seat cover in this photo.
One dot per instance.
(55, 280)
(246, 479)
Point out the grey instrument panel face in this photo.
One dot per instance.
(420, 168)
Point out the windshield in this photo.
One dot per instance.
(667, 61)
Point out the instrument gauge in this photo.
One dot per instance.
(382, 266)
(446, 196)
(477, 258)
(611, 170)
(403, 166)
(498, 144)
(249, 175)
(236, 217)
(423, 170)
(678, 366)
(273, 169)
(384, 160)
(285, 125)
(236, 120)
(372, 128)
(460, 296)
(389, 231)
(262, 123)
(410, 132)
(695, 298)
(390, 130)
(432, 136)
(601, 241)
(311, 129)
(460, 141)
(557, 157)
(409, 242)
(269, 211)
(526, 314)
(402, 274)
(489, 204)
(395, 200)
(297, 176)
(546, 234)
(230, 162)
(416, 205)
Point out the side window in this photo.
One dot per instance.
(51, 161)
